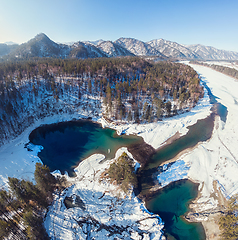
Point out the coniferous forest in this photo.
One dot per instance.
(128, 89)
(23, 207)
(226, 70)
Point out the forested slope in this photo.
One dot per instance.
(129, 89)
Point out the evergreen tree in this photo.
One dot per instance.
(129, 117)
(45, 181)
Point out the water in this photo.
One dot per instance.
(217, 108)
(67, 143)
(171, 203)
(201, 131)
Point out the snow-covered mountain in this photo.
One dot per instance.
(85, 50)
(6, 49)
(211, 53)
(138, 47)
(114, 50)
(172, 49)
(42, 46)
(96, 42)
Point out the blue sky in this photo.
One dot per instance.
(207, 22)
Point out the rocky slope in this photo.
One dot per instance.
(138, 47)
(114, 50)
(85, 50)
(172, 49)
(211, 53)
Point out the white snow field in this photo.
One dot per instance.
(216, 161)
(210, 162)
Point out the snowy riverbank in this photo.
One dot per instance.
(214, 164)
(216, 160)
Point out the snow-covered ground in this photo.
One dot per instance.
(177, 171)
(157, 133)
(106, 212)
(217, 159)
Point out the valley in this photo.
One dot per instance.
(210, 163)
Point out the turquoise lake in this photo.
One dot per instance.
(66, 144)
(171, 203)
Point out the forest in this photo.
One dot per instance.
(122, 173)
(23, 207)
(121, 89)
(228, 221)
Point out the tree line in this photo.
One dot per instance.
(226, 70)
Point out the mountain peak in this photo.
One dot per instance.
(41, 36)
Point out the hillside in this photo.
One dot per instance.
(173, 49)
(85, 50)
(6, 49)
(211, 53)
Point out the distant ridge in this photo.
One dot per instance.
(138, 47)
(114, 50)
(42, 46)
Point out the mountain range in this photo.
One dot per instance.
(42, 46)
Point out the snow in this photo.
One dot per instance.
(104, 203)
(172, 49)
(157, 133)
(211, 53)
(138, 47)
(177, 171)
(224, 64)
(215, 160)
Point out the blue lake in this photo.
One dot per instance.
(171, 203)
(66, 144)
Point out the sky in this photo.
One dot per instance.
(208, 22)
